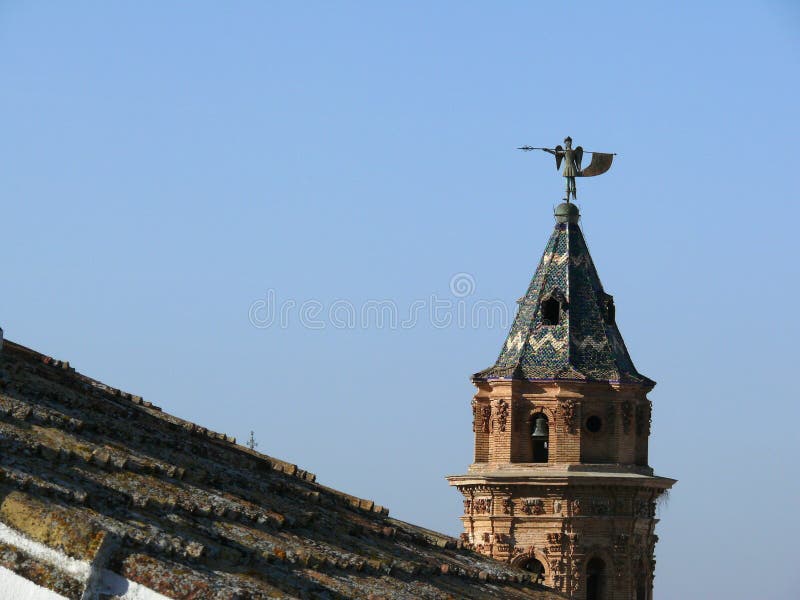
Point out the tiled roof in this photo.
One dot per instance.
(126, 492)
(585, 344)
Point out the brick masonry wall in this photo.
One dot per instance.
(504, 417)
(560, 524)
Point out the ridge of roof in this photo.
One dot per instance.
(107, 478)
(156, 411)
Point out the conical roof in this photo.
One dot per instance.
(565, 327)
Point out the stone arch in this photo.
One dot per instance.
(598, 574)
(600, 552)
(545, 410)
(524, 561)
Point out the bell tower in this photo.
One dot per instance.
(560, 484)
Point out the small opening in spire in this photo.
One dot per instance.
(607, 307)
(551, 311)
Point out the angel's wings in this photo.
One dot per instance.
(578, 157)
(559, 152)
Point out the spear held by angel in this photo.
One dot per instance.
(572, 157)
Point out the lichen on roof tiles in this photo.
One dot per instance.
(104, 477)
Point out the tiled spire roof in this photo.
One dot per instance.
(578, 339)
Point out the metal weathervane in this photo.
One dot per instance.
(572, 157)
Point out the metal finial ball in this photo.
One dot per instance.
(566, 212)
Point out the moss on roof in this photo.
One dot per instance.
(108, 478)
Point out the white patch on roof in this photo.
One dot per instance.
(125, 589)
(19, 588)
(77, 568)
(514, 344)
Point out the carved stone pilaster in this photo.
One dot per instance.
(508, 506)
(501, 415)
(627, 416)
(568, 413)
(481, 417)
(575, 507)
(533, 506)
(643, 418)
(611, 418)
(482, 506)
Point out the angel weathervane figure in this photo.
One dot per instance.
(572, 157)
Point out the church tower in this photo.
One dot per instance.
(560, 484)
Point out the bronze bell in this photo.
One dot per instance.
(540, 430)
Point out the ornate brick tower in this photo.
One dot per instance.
(560, 484)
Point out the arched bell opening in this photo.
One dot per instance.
(595, 579)
(540, 438)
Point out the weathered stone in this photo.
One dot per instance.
(194, 516)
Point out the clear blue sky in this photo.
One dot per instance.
(163, 166)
